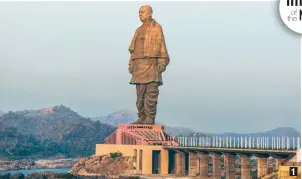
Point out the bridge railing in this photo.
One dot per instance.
(248, 142)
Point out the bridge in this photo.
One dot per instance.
(269, 143)
(235, 151)
(194, 161)
(193, 154)
(156, 152)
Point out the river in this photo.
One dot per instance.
(26, 172)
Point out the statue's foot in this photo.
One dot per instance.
(149, 121)
(137, 122)
(140, 120)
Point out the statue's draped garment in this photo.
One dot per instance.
(148, 51)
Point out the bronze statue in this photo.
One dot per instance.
(149, 58)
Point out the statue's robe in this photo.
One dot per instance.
(148, 49)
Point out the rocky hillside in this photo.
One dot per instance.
(59, 131)
(126, 116)
(49, 132)
(54, 175)
(113, 164)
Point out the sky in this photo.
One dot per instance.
(235, 67)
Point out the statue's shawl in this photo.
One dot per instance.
(154, 44)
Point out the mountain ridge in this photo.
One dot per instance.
(280, 131)
(60, 131)
(127, 116)
(48, 132)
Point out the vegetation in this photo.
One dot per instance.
(59, 131)
(115, 154)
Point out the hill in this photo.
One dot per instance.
(49, 132)
(60, 131)
(1, 113)
(126, 116)
(281, 131)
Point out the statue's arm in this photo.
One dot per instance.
(131, 46)
(131, 50)
(165, 60)
(130, 66)
(130, 62)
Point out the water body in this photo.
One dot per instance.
(26, 172)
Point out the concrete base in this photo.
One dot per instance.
(142, 154)
(277, 163)
(137, 134)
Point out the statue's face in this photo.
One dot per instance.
(145, 13)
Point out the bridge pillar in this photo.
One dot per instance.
(197, 165)
(193, 164)
(216, 172)
(278, 162)
(204, 165)
(262, 166)
(180, 163)
(230, 169)
(245, 167)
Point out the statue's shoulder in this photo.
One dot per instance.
(138, 28)
(156, 24)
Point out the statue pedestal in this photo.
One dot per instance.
(140, 134)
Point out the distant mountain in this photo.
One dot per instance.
(126, 116)
(51, 113)
(60, 131)
(181, 131)
(1, 113)
(48, 132)
(281, 131)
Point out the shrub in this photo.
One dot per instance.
(115, 154)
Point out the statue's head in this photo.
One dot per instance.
(145, 13)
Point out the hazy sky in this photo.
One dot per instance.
(234, 66)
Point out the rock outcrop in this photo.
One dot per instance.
(54, 175)
(17, 164)
(113, 164)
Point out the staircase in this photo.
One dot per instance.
(136, 134)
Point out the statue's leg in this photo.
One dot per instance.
(140, 92)
(151, 97)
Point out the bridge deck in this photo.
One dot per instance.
(233, 150)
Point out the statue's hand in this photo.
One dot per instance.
(131, 50)
(161, 68)
(130, 69)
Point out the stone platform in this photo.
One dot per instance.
(137, 134)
